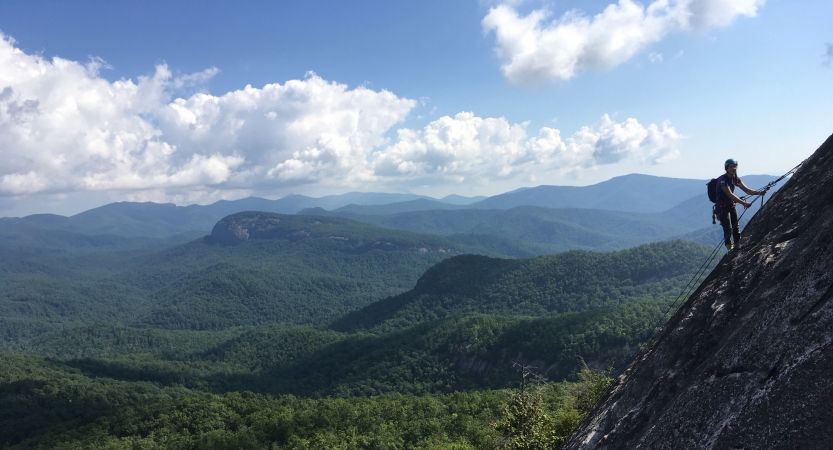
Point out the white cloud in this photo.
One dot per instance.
(63, 128)
(301, 131)
(66, 130)
(537, 48)
(467, 147)
(655, 57)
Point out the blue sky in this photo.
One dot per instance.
(147, 101)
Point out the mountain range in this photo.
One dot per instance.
(130, 324)
(614, 214)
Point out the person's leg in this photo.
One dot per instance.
(725, 222)
(733, 216)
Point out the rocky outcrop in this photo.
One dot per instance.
(349, 235)
(747, 361)
(239, 228)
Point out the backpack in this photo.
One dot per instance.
(712, 188)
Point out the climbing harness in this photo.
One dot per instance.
(694, 281)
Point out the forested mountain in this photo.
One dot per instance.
(124, 219)
(518, 232)
(23, 237)
(163, 220)
(547, 230)
(631, 193)
(354, 210)
(454, 199)
(566, 282)
(124, 385)
(425, 340)
(457, 353)
(131, 370)
(551, 230)
(291, 204)
(310, 271)
(288, 330)
(635, 193)
(48, 404)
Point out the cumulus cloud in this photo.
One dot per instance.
(538, 48)
(301, 131)
(482, 149)
(65, 129)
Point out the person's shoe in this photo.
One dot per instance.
(729, 247)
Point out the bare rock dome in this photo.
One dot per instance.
(239, 228)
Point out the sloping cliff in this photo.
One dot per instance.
(747, 361)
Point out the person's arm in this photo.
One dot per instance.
(747, 190)
(734, 197)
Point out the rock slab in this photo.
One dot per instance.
(747, 361)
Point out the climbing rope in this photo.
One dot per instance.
(773, 183)
(695, 280)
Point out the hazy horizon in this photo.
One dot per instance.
(72, 209)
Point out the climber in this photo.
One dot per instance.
(725, 202)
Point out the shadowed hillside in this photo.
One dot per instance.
(553, 284)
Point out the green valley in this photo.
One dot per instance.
(331, 324)
(315, 271)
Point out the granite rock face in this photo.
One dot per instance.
(747, 361)
(339, 233)
(239, 228)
